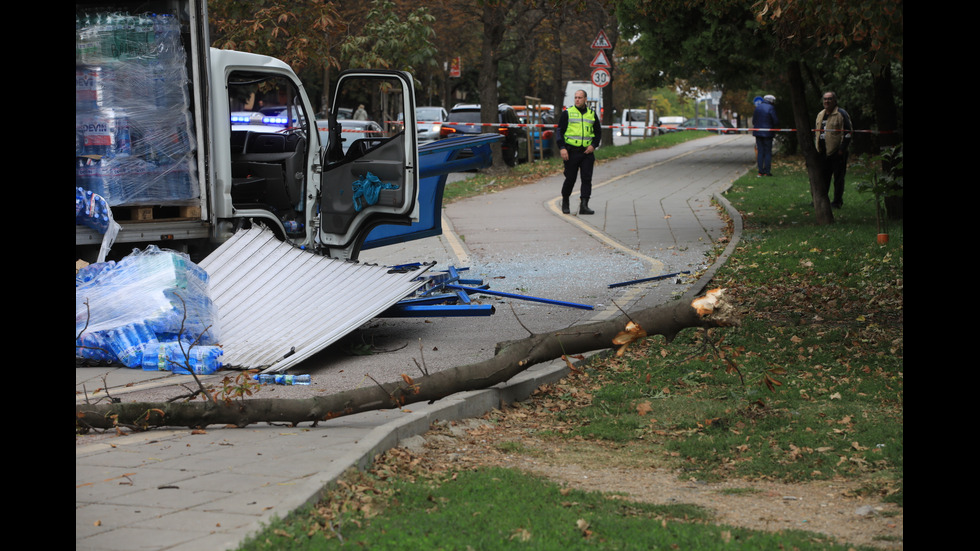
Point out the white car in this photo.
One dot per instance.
(351, 130)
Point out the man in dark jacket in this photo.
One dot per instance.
(765, 117)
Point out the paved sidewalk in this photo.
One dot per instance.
(210, 490)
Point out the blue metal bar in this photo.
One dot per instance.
(522, 297)
(446, 310)
(654, 278)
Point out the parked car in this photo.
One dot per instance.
(429, 121)
(669, 124)
(351, 130)
(708, 123)
(544, 135)
(465, 119)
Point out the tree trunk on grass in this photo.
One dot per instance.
(510, 359)
(819, 187)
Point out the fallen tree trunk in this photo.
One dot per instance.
(510, 359)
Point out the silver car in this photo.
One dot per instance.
(429, 121)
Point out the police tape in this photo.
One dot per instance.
(666, 127)
(725, 129)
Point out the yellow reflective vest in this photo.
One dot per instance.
(581, 127)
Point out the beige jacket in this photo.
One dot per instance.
(837, 132)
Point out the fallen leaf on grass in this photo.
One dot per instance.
(644, 408)
(571, 366)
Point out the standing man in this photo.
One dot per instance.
(765, 117)
(832, 137)
(579, 133)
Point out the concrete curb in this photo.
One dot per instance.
(733, 242)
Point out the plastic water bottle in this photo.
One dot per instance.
(129, 341)
(155, 358)
(281, 379)
(201, 359)
(93, 346)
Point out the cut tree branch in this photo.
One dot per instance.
(511, 358)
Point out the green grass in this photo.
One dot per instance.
(822, 325)
(505, 509)
(809, 386)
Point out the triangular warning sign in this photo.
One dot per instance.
(601, 42)
(600, 60)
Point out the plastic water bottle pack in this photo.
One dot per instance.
(140, 310)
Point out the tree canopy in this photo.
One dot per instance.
(387, 41)
(297, 32)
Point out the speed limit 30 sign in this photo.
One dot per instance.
(600, 77)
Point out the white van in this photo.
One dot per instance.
(639, 123)
(593, 94)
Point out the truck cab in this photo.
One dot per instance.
(272, 167)
(252, 153)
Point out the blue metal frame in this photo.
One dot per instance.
(447, 294)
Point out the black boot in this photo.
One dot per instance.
(564, 206)
(583, 207)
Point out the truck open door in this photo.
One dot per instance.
(369, 161)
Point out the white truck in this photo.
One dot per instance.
(187, 143)
(593, 94)
(218, 154)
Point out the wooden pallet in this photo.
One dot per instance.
(147, 213)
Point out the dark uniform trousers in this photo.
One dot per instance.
(578, 161)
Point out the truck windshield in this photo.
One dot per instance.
(266, 103)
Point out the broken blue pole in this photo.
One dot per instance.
(401, 310)
(521, 297)
(654, 278)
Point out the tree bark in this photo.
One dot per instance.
(493, 19)
(814, 168)
(510, 359)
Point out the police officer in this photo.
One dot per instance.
(579, 133)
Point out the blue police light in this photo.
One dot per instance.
(240, 119)
(279, 120)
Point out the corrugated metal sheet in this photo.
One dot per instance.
(278, 305)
